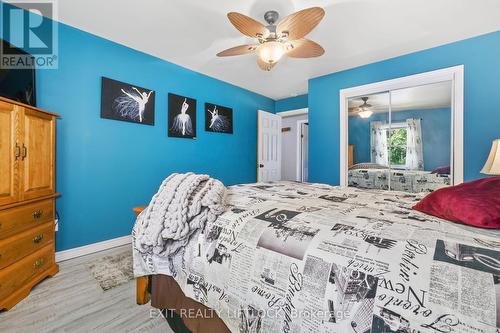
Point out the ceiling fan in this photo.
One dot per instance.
(364, 110)
(275, 40)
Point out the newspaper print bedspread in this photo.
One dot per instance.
(290, 257)
(400, 180)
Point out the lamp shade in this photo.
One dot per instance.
(365, 114)
(270, 52)
(492, 165)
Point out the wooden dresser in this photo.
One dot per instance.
(350, 156)
(27, 199)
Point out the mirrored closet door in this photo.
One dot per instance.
(368, 160)
(401, 140)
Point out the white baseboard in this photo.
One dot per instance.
(92, 248)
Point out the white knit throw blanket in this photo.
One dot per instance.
(184, 204)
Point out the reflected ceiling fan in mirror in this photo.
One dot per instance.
(276, 40)
(364, 110)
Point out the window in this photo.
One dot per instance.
(396, 145)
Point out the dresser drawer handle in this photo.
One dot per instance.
(18, 151)
(38, 239)
(25, 152)
(37, 214)
(39, 263)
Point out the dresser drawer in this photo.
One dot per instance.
(19, 274)
(17, 219)
(27, 242)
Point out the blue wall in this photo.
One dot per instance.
(291, 103)
(436, 135)
(106, 167)
(480, 55)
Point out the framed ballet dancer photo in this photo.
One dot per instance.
(126, 102)
(181, 116)
(218, 118)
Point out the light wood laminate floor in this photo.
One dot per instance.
(72, 301)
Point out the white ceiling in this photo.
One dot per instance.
(354, 32)
(430, 96)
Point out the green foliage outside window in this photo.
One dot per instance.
(396, 141)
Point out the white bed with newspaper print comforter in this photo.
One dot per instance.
(292, 257)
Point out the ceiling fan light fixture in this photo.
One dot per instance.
(270, 52)
(365, 114)
(277, 39)
(364, 109)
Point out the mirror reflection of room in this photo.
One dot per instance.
(401, 140)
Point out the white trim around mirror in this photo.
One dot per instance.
(454, 74)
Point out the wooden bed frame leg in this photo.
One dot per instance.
(142, 293)
(141, 283)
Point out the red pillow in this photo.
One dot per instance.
(475, 203)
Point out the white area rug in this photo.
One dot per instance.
(113, 270)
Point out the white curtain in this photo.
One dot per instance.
(414, 146)
(378, 143)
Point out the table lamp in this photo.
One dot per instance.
(492, 165)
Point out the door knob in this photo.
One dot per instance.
(261, 165)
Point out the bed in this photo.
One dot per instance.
(296, 257)
(401, 180)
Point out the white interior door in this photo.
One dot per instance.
(268, 147)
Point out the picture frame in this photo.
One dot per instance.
(218, 119)
(126, 102)
(181, 116)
